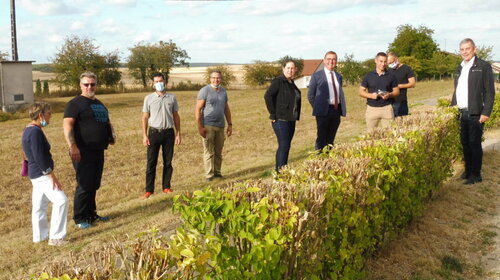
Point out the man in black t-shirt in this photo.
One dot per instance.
(379, 87)
(406, 79)
(88, 132)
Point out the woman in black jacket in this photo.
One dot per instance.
(283, 103)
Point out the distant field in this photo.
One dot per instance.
(249, 153)
(178, 74)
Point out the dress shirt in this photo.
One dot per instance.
(463, 82)
(331, 100)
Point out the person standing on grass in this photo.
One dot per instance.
(283, 104)
(327, 99)
(211, 108)
(160, 114)
(46, 186)
(406, 79)
(379, 87)
(88, 132)
(474, 95)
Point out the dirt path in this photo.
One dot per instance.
(458, 234)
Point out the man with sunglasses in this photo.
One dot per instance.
(88, 133)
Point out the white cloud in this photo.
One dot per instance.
(143, 36)
(123, 3)
(47, 7)
(77, 25)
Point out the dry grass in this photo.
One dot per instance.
(249, 153)
(460, 223)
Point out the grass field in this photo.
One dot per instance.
(249, 153)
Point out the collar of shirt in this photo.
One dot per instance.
(468, 64)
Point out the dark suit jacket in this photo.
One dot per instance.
(318, 94)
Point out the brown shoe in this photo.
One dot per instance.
(167, 190)
(147, 194)
(58, 242)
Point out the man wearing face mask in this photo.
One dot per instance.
(88, 133)
(406, 79)
(211, 108)
(160, 116)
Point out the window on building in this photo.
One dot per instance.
(18, 97)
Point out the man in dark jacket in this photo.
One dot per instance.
(327, 99)
(474, 95)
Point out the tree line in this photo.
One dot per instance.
(413, 45)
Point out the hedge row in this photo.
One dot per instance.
(320, 219)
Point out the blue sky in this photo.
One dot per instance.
(243, 31)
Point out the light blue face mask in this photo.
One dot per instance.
(160, 86)
(43, 123)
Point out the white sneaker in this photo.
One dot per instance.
(58, 242)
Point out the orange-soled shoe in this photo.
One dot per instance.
(147, 194)
(167, 190)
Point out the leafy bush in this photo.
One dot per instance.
(320, 219)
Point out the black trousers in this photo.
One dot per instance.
(163, 139)
(471, 132)
(88, 179)
(327, 127)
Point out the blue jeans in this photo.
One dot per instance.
(284, 132)
(400, 108)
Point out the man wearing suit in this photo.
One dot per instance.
(474, 95)
(327, 100)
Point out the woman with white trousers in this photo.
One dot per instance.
(46, 186)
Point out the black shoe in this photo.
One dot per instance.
(473, 179)
(210, 179)
(465, 175)
(100, 219)
(217, 176)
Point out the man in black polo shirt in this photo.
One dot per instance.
(379, 87)
(406, 79)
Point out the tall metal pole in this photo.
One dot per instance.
(13, 29)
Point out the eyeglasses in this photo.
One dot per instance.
(89, 84)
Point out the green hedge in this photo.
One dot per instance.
(320, 219)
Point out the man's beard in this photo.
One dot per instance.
(90, 94)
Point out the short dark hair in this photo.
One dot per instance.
(381, 54)
(286, 62)
(330, 52)
(216, 71)
(158, 74)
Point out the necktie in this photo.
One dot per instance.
(336, 103)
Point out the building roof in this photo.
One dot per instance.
(496, 67)
(310, 66)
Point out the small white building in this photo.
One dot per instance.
(16, 85)
(310, 66)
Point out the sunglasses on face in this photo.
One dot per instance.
(89, 84)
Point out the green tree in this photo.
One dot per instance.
(45, 90)
(38, 87)
(411, 41)
(260, 72)
(227, 74)
(299, 63)
(352, 71)
(76, 56)
(485, 53)
(146, 59)
(111, 74)
(414, 63)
